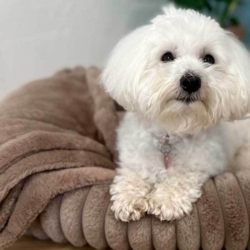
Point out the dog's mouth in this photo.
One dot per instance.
(187, 99)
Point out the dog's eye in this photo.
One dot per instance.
(208, 59)
(167, 57)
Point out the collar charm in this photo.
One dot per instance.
(165, 148)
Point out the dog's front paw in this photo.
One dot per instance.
(129, 194)
(170, 203)
(129, 208)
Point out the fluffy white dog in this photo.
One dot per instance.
(182, 78)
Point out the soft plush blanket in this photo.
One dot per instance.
(57, 154)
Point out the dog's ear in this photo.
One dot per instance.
(241, 67)
(124, 69)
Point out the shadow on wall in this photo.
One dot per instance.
(39, 37)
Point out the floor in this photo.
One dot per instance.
(29, 243)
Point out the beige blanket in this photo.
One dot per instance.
(57, 138)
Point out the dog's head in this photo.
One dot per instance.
(183, 71)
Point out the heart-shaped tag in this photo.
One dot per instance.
(166, 160)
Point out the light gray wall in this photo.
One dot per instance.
(38, 37)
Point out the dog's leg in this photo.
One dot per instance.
(137, 172)
(129, 193)
(173, 196)
(139, 162)
(180, 185)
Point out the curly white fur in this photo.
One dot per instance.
(203, 141)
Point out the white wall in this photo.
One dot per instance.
(38, 37)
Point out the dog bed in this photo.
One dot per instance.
(57, 155)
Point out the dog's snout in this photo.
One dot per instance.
(190, 83)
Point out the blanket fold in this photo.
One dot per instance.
(57, 154)
(50, 145)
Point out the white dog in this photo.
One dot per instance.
(182, 78)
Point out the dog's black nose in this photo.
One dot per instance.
(190, 83)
